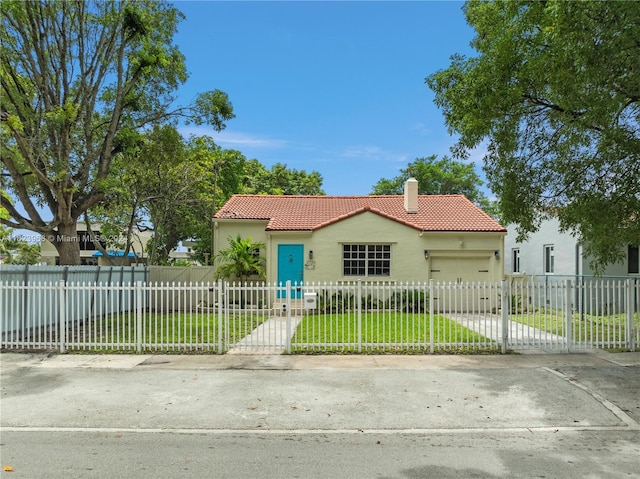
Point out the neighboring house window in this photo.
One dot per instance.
(86, 241)
(634, 260)
(515, 258)
(366, 260)
(549, 266)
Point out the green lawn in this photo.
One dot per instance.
(161, 331)
(381, 331)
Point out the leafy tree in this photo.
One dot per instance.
(228, 172)
(79, 80)
(8, 245)
(17, 251)
(280, 180)
(122, 208)
(28, 253)
(222, 175)
(241, 259)
(435, 177)
(173, 197)
(554, 93)
(165, 191)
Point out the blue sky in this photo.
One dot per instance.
(335, 87)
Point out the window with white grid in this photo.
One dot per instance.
(366, 260)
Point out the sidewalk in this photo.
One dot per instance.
(527, 360)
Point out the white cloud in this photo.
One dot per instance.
(236, 140)
(363, 152)
(422, 129)
(477, 155)
(371, 152)
(242, 139)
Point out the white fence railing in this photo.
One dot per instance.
(342, 317)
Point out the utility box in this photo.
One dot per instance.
(310, 300)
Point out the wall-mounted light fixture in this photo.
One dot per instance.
(496, 253)
(426, 254)
(310, 254)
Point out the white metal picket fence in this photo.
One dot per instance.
(339, 317)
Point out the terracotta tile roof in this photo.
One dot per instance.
(308, 213)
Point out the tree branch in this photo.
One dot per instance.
(575, 115)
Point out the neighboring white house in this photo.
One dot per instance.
(551, 252)
(90, 255)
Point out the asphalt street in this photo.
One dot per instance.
(275, 416)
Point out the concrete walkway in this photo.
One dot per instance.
(271, 337)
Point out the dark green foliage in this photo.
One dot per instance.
(409, 302)
(82, 81)
(336, 302)
(436, 177)
(553, 97)
(415, 301)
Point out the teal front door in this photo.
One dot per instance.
(291, 267)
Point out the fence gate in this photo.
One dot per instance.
(573, 315)
(259, 318)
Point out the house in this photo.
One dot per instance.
(89, 253)
(408, 237)
(552, 252)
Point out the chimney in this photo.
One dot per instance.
(411, 195)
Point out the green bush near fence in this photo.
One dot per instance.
(389, 331)
(408, 301)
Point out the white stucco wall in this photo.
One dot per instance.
(569, 257)
(532, 251)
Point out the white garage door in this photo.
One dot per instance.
(458, 296)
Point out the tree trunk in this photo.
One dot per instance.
(67, 243)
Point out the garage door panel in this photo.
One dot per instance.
(459, 270)
(456, 272)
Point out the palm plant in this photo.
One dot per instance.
(241, 259)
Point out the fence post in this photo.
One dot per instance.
(5, 320)
(222, 319)
(431, 318)
(139, 316)
(568, 313)
(359, 313)
(288, 302)
(504, 311)
(631, 340)
(62, 328)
